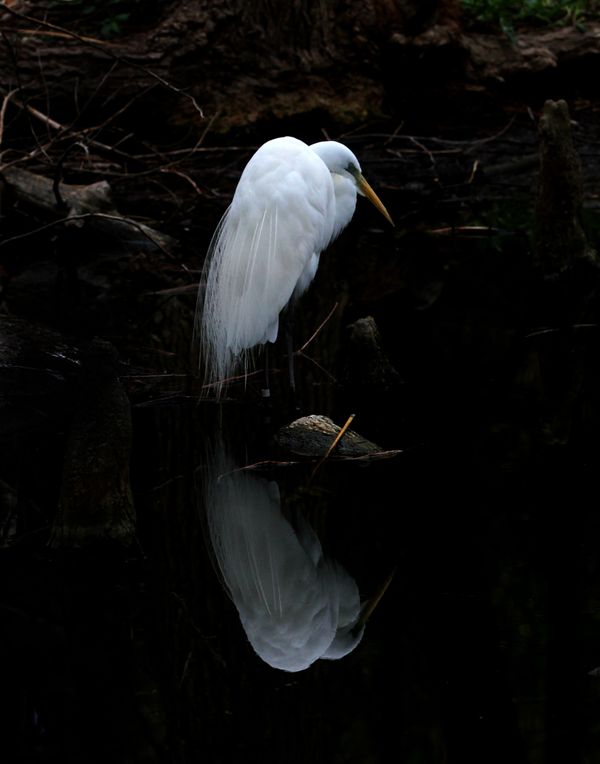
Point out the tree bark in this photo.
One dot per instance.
(559, 236)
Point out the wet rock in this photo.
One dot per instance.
(313, 436)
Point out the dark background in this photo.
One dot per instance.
(119, 642)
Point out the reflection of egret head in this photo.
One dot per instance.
(295, 604)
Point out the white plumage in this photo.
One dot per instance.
(295, 604)
(291, 201)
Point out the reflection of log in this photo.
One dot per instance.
(95, 501)
(79, 204)
(559, 237)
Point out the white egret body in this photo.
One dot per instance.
(291, 201)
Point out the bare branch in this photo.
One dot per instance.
(5, 102)
(87, 216)
(334, 443)
(317, 330)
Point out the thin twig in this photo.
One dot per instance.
(555, 330)
(60, 202)
(63, 131)
(65, 34)
(5, 102)
(262, 465)
(41, 116)
(228, 380)
(447, 141)
(197, 149)
(468, 229)
(394, 134)
(187, 289)
(335, 442)
(317, 330)
(185, 176)
(339, 436)
(17, 73)
(315, 363)
(113, 150)
(430, 155)
(376, 599)
(88, 215)
(430, 152)
(473, 171)
(140, 94)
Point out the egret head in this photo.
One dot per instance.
(341, 161)
(338, 158)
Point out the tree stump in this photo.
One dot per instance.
(559, 238)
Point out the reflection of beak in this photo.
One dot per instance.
(366, 189)
(371, 604)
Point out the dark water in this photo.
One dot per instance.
(485, 644)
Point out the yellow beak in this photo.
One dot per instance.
(366, 189)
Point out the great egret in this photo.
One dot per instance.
(291, 201)
(295, 603)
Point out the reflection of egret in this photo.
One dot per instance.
(295, 604)
(291, 201)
